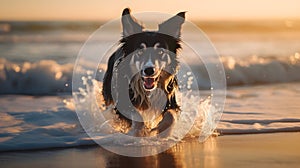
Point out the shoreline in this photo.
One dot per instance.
(252, 150)
(93, 144)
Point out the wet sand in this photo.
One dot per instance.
(256, 150)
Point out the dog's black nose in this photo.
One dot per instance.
(149, 71)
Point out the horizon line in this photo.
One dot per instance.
(192, 20)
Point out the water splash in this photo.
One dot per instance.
(100, 122)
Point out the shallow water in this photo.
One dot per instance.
(35, 122)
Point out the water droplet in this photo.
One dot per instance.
(89, 72)
(297, 55)
(190, 78)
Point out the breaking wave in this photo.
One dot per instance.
(50, 77)
(257, 70)
(43, 77)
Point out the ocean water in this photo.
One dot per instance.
(261, 61)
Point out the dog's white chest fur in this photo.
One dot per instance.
(157, 101)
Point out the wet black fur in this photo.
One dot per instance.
(128, 45)
(132, 43)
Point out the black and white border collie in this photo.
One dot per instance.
(140, 81)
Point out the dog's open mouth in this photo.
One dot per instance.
(149, 83)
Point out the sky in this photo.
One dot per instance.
(111, 9)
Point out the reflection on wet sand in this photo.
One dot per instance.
(165, 159)
(196, 154)
(279, 150)
(210, 153)
(182, 155)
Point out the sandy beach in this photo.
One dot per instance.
(243, 151)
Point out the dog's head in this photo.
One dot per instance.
(152, 53)
(150, 56)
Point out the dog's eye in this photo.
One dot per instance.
(160, 52)
(140, 52)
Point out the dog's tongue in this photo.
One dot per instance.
(149, 83)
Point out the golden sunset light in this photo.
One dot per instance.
(105, 10)
(150, 83)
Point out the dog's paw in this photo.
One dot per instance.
(132, 132)
(141, 132)
(162, 133)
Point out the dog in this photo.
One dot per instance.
(140, 80)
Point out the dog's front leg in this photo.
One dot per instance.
(138, 127)
(164, 128)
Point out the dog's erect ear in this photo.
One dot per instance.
(129, 24)
(172, 26)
